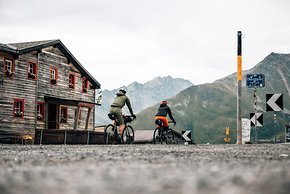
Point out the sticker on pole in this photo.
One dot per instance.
(246, 130)
(186, 135)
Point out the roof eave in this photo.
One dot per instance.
(83, 71)
(9, 51)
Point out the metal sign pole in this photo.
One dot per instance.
(239, 91)
(275, 124)
(255, 107)
(287, 133)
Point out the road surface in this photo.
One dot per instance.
(147, 168)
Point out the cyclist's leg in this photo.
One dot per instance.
(109, 134)
(164, 121)
(118, 113)
(157, 136)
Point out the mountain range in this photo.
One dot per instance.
(141, 96)
(208, 109)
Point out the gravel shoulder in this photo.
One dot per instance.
(171, 169)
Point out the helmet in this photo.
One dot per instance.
(122, 90)
(164, 102)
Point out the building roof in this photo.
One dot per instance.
(26, 47)
(7, 49)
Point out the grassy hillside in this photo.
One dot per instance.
(209, 108)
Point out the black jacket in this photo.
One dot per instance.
(163, 110)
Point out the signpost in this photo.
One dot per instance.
(239, 90)
(274, 102)
(255, 81)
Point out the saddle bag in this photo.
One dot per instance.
(111, 116)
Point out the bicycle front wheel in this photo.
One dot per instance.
(109, 134)
(128, 135)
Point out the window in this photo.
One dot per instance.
(85, 85)
(40, 110)
(8, 67)
(31, 70)
(53, 75)
(63, 114)
(18, 108)
(71, 81)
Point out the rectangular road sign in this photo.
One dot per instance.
(255, 80)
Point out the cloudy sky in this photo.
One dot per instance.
(122, 41)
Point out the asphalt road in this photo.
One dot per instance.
(131, 169)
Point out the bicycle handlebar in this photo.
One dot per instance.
(130, 116)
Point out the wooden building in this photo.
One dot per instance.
(44, 87)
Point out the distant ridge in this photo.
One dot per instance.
(142, 95)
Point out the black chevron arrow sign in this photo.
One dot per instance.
(186, 135)
(259, 117)
(274, 102)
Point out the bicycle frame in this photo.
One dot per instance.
(161, 135)
(111, 131)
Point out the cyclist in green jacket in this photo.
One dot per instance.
(116, 108)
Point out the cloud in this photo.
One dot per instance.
(133, 40)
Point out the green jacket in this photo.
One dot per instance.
(120, 101)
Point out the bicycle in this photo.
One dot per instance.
(161, 135)
(111, 131)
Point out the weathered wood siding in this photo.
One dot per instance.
(18, 86)
(52, 57)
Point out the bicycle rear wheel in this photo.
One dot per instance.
(158, 138)
(170, 137)
(128, 135)
(109, 134)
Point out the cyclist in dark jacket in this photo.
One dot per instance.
(116, 108)
(162, 112)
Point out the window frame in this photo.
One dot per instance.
(32, 75)
(65, 109)
(72, 81)
(12, 61)
(53, 81)
(21, 107)
(85, 85)
(40, 111)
